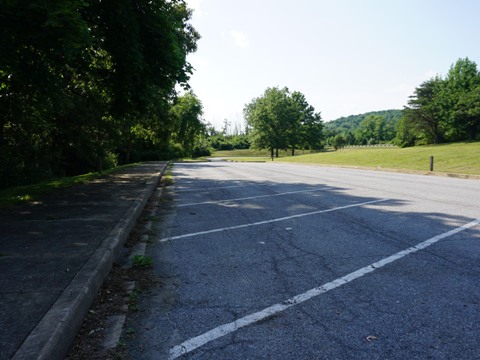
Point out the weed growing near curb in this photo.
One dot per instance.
(142, 261)
(132, 301)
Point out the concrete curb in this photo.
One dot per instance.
(54, 334)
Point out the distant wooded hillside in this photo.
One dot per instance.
(370, 128)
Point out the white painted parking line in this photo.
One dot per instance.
(209, 189)
(269, 221)
(254, 197)
(225, 329)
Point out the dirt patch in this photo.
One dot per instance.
(114, 298)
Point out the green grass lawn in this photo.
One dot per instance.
(460, 158)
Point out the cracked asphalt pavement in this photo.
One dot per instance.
(280, 261)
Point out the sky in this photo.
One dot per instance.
(346, 56)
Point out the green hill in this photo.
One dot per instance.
(352, 122)
(350, 127)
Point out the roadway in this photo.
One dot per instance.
(280, 261)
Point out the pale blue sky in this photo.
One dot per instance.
(347, 56)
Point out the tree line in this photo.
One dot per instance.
(442, 109)
(85, 84)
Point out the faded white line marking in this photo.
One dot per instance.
(209, 189)
(226, 329)
(268, 221)
(254, 197)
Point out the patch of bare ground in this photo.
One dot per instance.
(114, 298)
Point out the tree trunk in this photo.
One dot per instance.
(276, 152)
(436, 134)
(99, 164)
(293, 151)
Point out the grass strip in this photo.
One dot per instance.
(455, 158)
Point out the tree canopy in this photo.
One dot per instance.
(444, 109)
(87, 82)
(186, 114)
(280, 119)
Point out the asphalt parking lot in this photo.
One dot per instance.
(304, 262)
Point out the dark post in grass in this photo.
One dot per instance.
(431, 163)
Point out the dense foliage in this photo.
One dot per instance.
(280, 119)
(220, 141)
(371, 128)
(444, 109)
(85, 83)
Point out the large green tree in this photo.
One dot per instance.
(279, 120)
(462, 101)
(425, 113)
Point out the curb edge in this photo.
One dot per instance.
(67, 313)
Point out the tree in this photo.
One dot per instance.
(462, 89)
(425, 111)
(371, 130)
(42, 56)
(280, 120)
(405, 135)
(267, 116)
(148, 42)
(306, 132)
(338, 142)
(186, 114)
